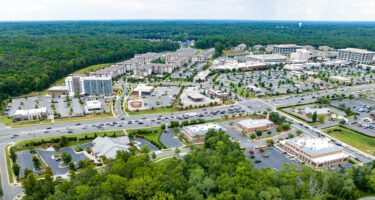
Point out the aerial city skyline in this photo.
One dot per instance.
(187, 100)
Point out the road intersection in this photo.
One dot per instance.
(122, 121)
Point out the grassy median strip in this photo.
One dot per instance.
(9, 122)
(150, 134)
(74, 139)
(9, 165)
(353, 138)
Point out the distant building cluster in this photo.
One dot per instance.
(144, 65)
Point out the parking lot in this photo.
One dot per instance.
(169, 140)
(278, 80)
(272, 158)
(363, 122)
(162, 97)
(61, 106)
(56, 169)
(24, 160)
(142, 142)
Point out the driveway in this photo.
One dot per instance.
(24, 160)
(142, 142)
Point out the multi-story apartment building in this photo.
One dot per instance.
(285, 49)
(360, 56)
(88, 85)
(143, 65)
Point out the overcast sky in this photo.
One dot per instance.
(318, 10)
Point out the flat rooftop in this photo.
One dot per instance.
(355, 50)
(201, 129)
(254, 123)
(287, 46)
(267, 56)
(314, 145)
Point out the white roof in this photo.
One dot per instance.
(97, 78)
(58, 88)
(108, 147)
(94, 104)
(267, 56)
(317, 147)
(319, 111)
(236, 65)
(287, 46)
(143, 88)
(330, 157)
(201, 129)
(31, 111)
(355, 50)
(254, 123)
(195, 95)
(340, 78)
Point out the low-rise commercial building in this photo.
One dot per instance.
(233, 65)
(201, 76)
(197, 133)
(142, 89)
(58, 90)
(108, 147)
(31, 114)
(340, 79)
(316, 152)
(318, 111)
(93, 106)
(253, 125)
(267, 58)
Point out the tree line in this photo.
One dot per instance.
(33, 63)
(35, 54)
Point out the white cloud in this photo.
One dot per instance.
(354, 10)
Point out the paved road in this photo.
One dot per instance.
(118, 108)
(155, 120)
(130, 122)
(312, 96)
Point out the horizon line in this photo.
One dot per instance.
(233, 20)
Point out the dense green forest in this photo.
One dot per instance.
(33, 63)
(217, 170)
(35, 54)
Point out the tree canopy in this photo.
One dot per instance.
(217, 170)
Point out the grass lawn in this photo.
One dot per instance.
(9, 166)
(155, 111)
(357, 140)
(6, 120)
(9, 122)
(245, 93)
(81, 139)
(150, 134)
